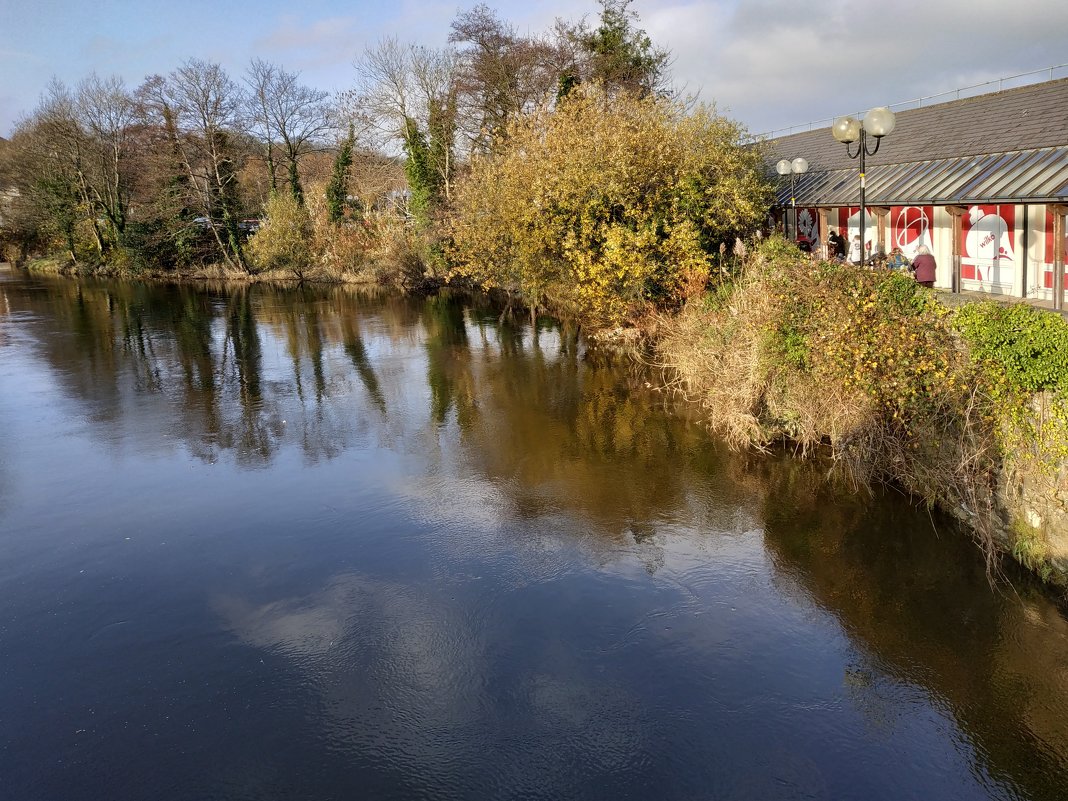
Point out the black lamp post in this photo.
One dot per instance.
(878, 122)
(793, 168)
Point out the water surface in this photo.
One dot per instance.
(266, 543)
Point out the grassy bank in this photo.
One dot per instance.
(399, 265)
(966, 409)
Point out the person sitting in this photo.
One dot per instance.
(897, 260)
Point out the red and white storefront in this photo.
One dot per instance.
(1004, 249)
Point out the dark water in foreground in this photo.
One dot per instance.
(270, 544)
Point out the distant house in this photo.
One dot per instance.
(982, 181)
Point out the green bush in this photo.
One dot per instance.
(1021, 352)
(1027, 346)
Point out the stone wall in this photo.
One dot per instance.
(1032, 493)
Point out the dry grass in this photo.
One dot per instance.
(787, 353)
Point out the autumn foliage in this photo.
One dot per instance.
(604, 208)
(283, 240)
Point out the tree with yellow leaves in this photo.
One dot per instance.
(606, 208)
(283, 241)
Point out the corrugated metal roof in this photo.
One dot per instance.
(1032, 176)
(1011, 121)
(1009, 146)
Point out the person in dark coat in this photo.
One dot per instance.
(836, 246)
(924, 266)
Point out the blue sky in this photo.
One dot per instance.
(767, 63)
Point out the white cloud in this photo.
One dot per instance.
(771, 64)
(324, 42)
(768, 63)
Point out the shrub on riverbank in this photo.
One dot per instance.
(874, 368)
(1022, 354)
(284, 238)
(605, 208)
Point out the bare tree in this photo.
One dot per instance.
(434, 75)
(501, 73)
(407, 96)
(65, 155)
(260, 79)
(201, 109)
(49, 202)
(288, 115)
(107, 114)
(384, 97)
(375, 179)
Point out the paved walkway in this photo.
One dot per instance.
(953, 299)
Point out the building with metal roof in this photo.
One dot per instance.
(982, 181)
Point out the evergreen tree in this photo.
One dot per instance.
(622, 56)
(418, 169)
(337, 189)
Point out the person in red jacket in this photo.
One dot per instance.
(924, 266)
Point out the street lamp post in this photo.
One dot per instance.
(794, 168)
(878, 122)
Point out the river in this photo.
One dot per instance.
(315, 543)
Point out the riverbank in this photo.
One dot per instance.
(965, 408)
(395, 273)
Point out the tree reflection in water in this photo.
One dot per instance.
(248, 373)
